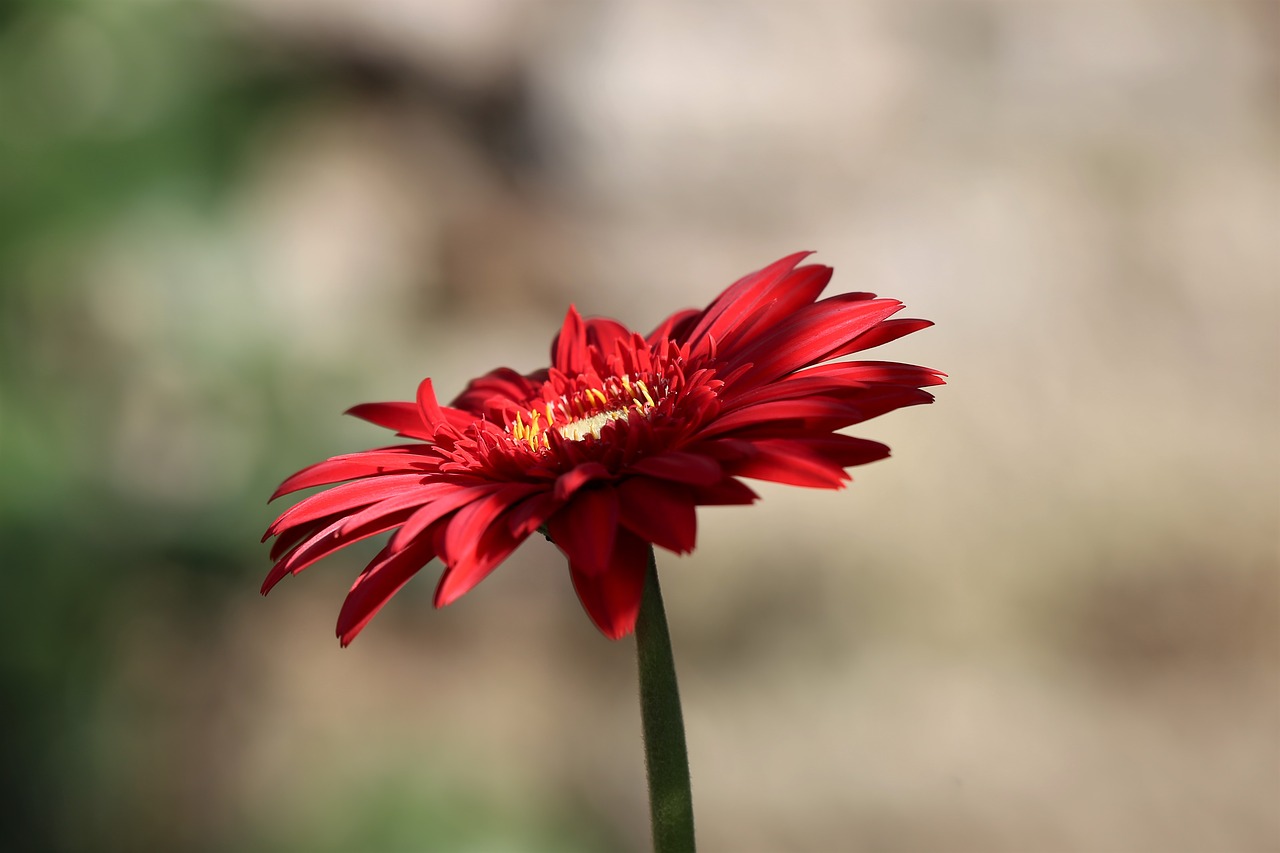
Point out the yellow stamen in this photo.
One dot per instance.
(645, 391)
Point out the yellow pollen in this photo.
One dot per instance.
(579, 429)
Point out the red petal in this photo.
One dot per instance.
(351, 466)
(442, 503)
(681, 467)
(586, 528)
(569, 482)
(784, 462)
(878, 401)
(289, 539)
(727, 492)
(737, 302)
(494, 392)
(476, 541)
(797, 289)
(532, 513)
(404, 418)
(383, 578)
(612, 598)
(811, 335)
(429, 407)
(467, 528)
(780, 410)
(889, 330)
(674, 328)
(659, 512)
(870, 372)
(793, 388)
(326, 541)
(346, 497)
(845, 382)
(603, 334)
(843, 450)
(569, 349)
(408, 500)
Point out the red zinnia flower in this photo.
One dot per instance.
(611, 448)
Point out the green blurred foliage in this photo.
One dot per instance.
(106, 107)
(105, 102)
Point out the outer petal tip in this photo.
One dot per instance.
(612, 598)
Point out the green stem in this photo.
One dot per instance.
(665, 755)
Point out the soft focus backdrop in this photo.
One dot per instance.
(1048, 623)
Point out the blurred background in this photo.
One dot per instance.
(1050, 623)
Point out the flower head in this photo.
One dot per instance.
(612, 447)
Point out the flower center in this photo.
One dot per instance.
(582, 413)
(579, 429)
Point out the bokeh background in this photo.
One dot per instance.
(1050, 623)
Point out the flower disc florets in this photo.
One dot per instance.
(585, 413)
(611, 448)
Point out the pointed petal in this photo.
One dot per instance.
(810, 336)
(409, 499)
(569, 349)
(737, 302)
(604, 333)
(345, 498)
(612, 598)
(675, 328)
(680, 467)
(532, 513)
(404, 418)
(659, 512)
(465, 531)
(727, 492)
(889, 330)
(784, 411)
(838, 448)
(567, 484)
(798, 288)
(289, 539)
(383, 578)
(495, 392)
(476, 541)
(441, 504)
(881, 400)
(842, 381)
(782, 462)
(351, 466)
(586, 528)
(429, 407)
(326, 541)
(871, 372)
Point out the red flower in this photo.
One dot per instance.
(612, 447)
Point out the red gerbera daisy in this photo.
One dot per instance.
(610, 449)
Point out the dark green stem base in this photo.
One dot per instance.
(665, 756)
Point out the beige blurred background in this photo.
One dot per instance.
(1048, 623)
